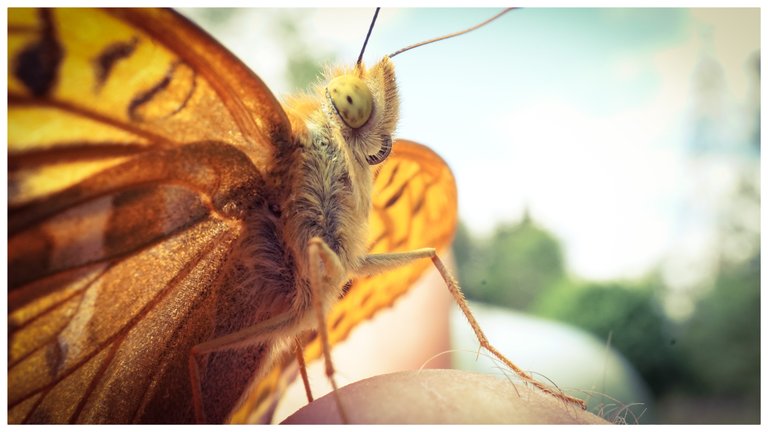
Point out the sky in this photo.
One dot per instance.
(586, 118)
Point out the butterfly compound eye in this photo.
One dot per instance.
(351, 99)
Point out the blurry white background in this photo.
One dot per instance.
(623, 131)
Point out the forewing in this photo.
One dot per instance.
(115, 82)
(134, 139)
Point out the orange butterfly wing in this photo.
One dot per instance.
(117, 231)
(414, 206)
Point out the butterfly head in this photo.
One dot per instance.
(365, 107)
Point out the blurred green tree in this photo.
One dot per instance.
(627, 313)
(722, 338)
(511, 268)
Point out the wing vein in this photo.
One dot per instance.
(122, 332)
(94, 381)
(42, 313)
(24, 101)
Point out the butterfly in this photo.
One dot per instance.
(155, 203)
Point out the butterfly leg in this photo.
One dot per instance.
(377, 263)
(325, 274)
(303, 370)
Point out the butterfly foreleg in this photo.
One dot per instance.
(303, 369)
(325, 271)
(377, 263)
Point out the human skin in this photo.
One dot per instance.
(442, 396)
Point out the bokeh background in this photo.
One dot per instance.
(608, 168)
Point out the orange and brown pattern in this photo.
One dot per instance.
(145, 218)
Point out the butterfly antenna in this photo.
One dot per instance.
(448, 36)
(370, 29)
